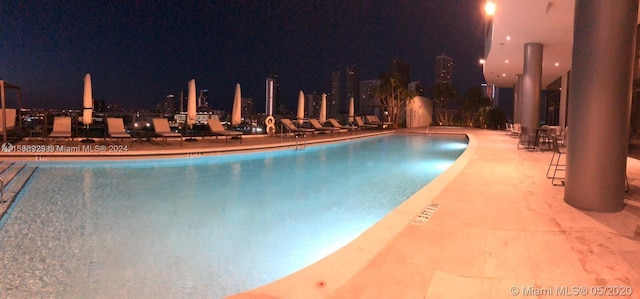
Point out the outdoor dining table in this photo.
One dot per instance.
(542, 133)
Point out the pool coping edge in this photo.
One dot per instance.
(322, 278)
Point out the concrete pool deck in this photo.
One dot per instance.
(500, 227)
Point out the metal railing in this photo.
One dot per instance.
(1, 190)
(303, 144)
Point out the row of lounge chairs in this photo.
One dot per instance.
(116, 129)
(336, 126)
(374, 120)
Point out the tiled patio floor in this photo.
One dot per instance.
(501, 229)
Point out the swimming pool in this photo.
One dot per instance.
(209, 226)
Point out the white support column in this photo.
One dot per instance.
(517, 100)
(531, 84)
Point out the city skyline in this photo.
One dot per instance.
(137, 53)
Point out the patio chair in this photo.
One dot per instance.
(362, 125)
(555, 163)
(318, 127)
(295, 130)
(374, 120)
(563, 136)
(216, 129)
(61, 127)
(162, 129)
(515, 130)
(334, 122)
(115, 129)
(526, 140)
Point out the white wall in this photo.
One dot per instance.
(419, 112)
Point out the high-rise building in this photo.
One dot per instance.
(444, 69)
(168, 105)
(368, 101)
(352, 88)
(489, 90)
(203, 100)
(272, 95)
(247, 107)
(334, 98)
(312, 105)
(182, 100)
(416, 88)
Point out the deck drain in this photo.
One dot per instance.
(424, 216)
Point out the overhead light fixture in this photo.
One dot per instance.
(508, 37)
(557, 64)
(482, 61)
(506, 61)
(490, 8)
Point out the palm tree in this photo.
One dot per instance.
(474, 103)
(393, 96)
(445, 99)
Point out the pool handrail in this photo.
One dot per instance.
(1, 190)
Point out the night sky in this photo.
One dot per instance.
(139, 51)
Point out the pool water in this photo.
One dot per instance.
(204, 227)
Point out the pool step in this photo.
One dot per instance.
(10, 172)
(4, 166)
(14, 178)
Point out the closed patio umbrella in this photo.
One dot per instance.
(191, 106)
(323, 109)
(87, 106)
(300, 114)
(236, 113)
(191, 103)
(351, 111)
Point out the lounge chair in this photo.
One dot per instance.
(61, 127)
(374, 120)
(162, 129)
(295, 130)
(508, 128)
(115, 129)
(11, 120)
(337, 124)
(216, 129)
(362, 125)
(318, 127)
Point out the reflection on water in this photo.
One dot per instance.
(236, 172)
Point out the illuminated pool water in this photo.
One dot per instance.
(204, 227)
